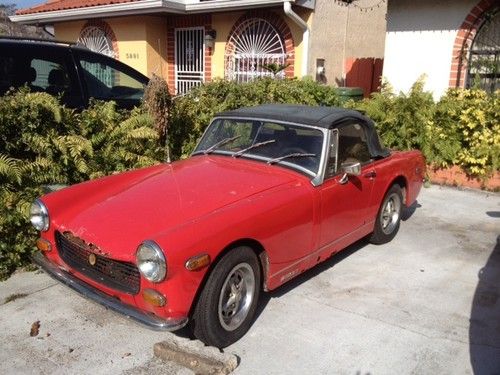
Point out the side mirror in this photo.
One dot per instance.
(349, 169)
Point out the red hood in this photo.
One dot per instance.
(118, 212)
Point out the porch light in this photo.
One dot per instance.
(210, 38)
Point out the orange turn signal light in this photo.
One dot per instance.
(198, 262)
(154, 297)
(43, 245)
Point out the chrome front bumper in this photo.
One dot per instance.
(150, 320)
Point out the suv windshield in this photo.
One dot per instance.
(289, 145)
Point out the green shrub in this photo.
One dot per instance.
(468, 123)
(462, 129)
(42, 142)
(401, 120)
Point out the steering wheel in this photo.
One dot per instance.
(293, 150)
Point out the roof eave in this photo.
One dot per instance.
(140, 7)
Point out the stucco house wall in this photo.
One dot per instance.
(340, 32)
(428, 37)
(140, 40)
(145, 43)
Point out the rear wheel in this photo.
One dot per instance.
(388, 217)
(227, 304)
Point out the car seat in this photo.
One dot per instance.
(57, 82)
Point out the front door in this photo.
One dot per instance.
(189, 58)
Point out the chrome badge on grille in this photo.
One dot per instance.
(92, 259)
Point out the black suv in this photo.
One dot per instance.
(72, 72)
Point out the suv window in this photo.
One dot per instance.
(50, 76)
(109, 80)
(41, 69)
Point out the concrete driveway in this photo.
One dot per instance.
(426, 303)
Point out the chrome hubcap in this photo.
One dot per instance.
(389, 216)
(236, 296)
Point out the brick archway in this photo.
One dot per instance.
(281, 26)
(463, 42)
(108, 31)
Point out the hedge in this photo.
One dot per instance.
(42, 142)
(462, 128)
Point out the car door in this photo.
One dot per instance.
(107, 79)
(344, 202)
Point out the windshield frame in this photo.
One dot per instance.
(316, 177)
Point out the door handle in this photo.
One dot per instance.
(371, 174)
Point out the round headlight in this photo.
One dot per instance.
(39, 216)
(151, 261)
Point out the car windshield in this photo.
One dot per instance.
(275, 143)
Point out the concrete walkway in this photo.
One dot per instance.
(427, 303)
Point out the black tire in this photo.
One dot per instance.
(220, 324)
(388, 216)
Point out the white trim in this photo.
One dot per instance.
(194, 6)
(141, 7)
(287, 8)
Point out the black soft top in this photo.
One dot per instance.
(324, 117)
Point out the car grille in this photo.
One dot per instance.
(114, 274)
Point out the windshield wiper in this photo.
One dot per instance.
(220, 143)
(294, 155)
(241, 152)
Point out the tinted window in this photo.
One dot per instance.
(109, 80)
(50, 76)
(41, 69)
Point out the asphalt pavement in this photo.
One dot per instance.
(426, 303)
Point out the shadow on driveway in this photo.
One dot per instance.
(323, 266)
(484, 329)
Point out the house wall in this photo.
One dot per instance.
(143, 41)
(156, 46)
(420, 40)
(340, 32)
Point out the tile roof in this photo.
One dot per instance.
(56, 5)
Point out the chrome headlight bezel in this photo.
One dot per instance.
(39, 216)
(151, 261)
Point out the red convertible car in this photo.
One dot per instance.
(269, 192)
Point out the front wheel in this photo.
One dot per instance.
(388, 217)
(227, 304)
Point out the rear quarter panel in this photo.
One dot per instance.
(407, 166)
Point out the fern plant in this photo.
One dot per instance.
(44, 143)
